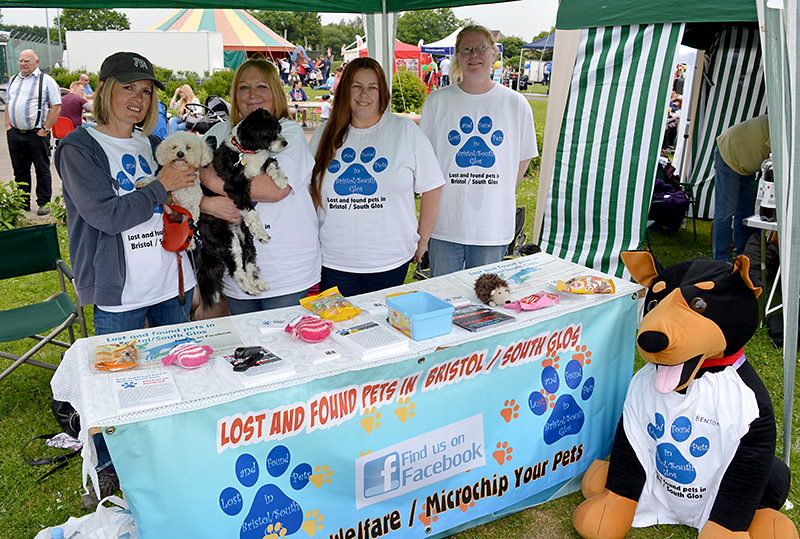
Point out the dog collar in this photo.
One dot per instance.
(735, 359)
(241, 150)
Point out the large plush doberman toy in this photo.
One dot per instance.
(696, 442)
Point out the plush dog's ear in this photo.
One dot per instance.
(207, 155)
(643, 267)
(742, 266)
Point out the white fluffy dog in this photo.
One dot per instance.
(184, 151)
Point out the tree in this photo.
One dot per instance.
(512, 46)
(300, 28)
(91, 19)
(543, 33)
(428, 25)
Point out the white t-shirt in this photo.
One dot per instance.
(368, 218)
(290, 261)
(325, 111)
(151, 272)
(685, 442)
(445, 66)
(479, 142)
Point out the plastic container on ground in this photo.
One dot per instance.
(420, 315)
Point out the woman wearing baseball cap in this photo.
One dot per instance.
(114, 228)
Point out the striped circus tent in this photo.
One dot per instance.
(242, 34)
(609, 97)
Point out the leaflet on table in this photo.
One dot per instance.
(524, 272)
(153, 344)
(140, 390)
(478, 317)
(370, 341)
(270, 368)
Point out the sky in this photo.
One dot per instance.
(522, 18)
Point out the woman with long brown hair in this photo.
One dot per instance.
(369, 164)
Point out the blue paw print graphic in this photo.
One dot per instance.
(356, 178)
(567, 416)
(670, 462)
(127, 175)
(475, 152)
(270, 504)
(129, 385)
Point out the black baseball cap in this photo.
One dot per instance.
(128, 67)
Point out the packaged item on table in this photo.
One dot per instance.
(309, 328)
(586, 284)
(534, 302)
(115, 357)
(188, 355)
(331, 305)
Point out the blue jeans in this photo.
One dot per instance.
(352, 284)
(176, 124)
(734, 201)
(448, 257)
(161, 314)
(242, 306)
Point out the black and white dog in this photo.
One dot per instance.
(225, 246)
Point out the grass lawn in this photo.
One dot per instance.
(27, 505)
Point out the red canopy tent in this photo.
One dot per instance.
(405, 55)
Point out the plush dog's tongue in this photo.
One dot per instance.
(668, 377)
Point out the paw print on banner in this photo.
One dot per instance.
(582, 355)
(356, 178)
(503, 453)
(567, 416)
(275, 531)
(405, 409)
(313, 522)
(321, 476)
(475, 152)
(370, 422)
(510, 410)
(670, 462)
(426, 520)
(270, 499)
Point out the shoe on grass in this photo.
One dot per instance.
(43, 211)
(109, 483)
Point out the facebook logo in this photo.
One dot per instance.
(382, 475)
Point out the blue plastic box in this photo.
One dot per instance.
(420, 315)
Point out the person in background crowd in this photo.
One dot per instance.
(738, 156)
(445, 68)
(88, 93)
(290, 261)
(130, 282)
(182, 102)
(297, 94)
(478, 129)
(33, 104)
(370, 236)
(73, 104)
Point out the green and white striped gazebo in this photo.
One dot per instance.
(612, 75)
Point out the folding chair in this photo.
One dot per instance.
(29, 251)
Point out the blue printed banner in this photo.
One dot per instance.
(408, 449)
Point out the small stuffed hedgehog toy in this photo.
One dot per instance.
(696, 442)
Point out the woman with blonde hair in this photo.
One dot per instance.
(290, 261)
(482, 131)
(369, 164)
(184, 107)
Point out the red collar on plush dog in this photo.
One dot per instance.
(238, 146)
(723, 361)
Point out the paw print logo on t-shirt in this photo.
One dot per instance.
(356, 178)
(128, 173)
(475, 152)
